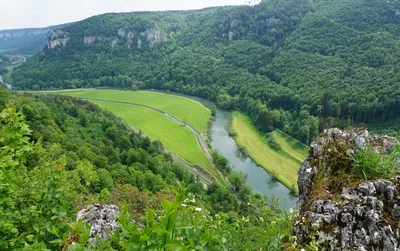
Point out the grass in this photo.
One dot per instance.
(281, 164)
(176, 138)
(187, 110)
(290, 146)
(8, 77)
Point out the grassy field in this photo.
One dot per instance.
(8, 77)
(176, 138)
(187, 110)
(282, 164)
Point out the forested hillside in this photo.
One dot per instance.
(297, 65)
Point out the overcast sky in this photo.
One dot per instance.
(41, 13)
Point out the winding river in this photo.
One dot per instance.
(257, 177)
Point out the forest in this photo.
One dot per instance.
(297, 65)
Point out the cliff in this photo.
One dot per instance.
(344, 204)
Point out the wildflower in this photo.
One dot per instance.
(183, 205)
(198, 209)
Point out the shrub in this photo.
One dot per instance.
(232, 132)
(273, 144)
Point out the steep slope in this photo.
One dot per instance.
(323, 63)
(25, 41)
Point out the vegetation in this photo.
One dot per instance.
(297, 65)
(280, 163)
(373, 164)
(182, 108)
(187, 226)
(58, 154)
(176, 138)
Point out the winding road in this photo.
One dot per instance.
(176, 158)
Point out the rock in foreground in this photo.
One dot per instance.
(339, 211)
(100, 218)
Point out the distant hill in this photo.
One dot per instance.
(24, 41)
(298, 65)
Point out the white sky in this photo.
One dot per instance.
(41, 13)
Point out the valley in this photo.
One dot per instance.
(135, 107)
(271, 125)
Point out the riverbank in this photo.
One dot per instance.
(282, 164)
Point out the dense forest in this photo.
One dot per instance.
(59, 154)
(297, 65)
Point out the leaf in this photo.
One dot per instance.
(172, 220)
(144, 238)
(175, 244)
(166, 205)
(30, 237)
(59, 242)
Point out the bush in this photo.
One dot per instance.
(273, 144)
(232, 132)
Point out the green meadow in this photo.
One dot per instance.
(281, 164)
(187, 110)
(175, 137)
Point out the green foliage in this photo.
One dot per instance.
(59, 158)
(221, 162)
(181, 224)
(272, 143)
(373, 164)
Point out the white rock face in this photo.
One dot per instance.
(92, 39)
(58, 38)
(230, 35)
(114, 43)
(139, 44)
(154, 36)
(122, 32)
(129, 43)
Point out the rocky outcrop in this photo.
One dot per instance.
(100, 218)
(92, 39)
(114, 43)
(341, 212)
(58, 38)
(154, 36)
(230, 35)
(122, 32)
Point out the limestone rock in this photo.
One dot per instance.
(364, 216)
(58, 38)
(100, 218)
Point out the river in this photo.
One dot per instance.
(257, 177)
